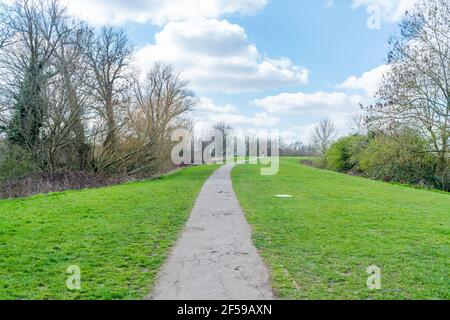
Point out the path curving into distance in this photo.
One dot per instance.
(215, 259)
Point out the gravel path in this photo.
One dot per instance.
(215, 258)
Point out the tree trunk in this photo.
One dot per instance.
(110, 143)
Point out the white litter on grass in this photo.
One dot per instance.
(283, 196)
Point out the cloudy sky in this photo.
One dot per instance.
(262, 64)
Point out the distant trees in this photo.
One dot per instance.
(297, 149)
(70, 98)
(225, 131)
(323, 136)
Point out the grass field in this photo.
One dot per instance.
(118, 236)
(320, 243)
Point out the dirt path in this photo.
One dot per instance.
(215, 258)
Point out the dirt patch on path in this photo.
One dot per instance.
(215, 258)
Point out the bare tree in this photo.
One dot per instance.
(68, 103)
(323, 136)
(72, 65)
(162, 99)
(358, 124)
(37, 30)
(68, 99)
(5, 36)
(5, 31)
(416, 93)
(109, 56)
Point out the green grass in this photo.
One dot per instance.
(320, 243)
(118, 236)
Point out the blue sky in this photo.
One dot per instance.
(259, 64)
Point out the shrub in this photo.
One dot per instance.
(15, 162)
(400, 158)
(343, 155)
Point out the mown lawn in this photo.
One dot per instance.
(118, 237)
(320, 243)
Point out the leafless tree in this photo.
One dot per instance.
(68, 99)
(5, 31)
(73, 78)
(358, 124)
(323, 136)
(68, 103)
(37, 30)
(162, 98)
(109, 55)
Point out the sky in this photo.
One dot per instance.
(262, 64)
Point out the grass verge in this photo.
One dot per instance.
(118, 236)
(320, 243)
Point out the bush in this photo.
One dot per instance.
(399, 158)
(402, 157)
(15, 162)
(343, 155)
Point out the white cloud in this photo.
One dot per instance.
(310, 108)
(208, 113)
(257, 120)
(208, 105)
(368, 81)
(392, 10)
(318, 103)
(216, 55)
(208, 120)
(159, 12)
(298, 133)
(242, 125)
